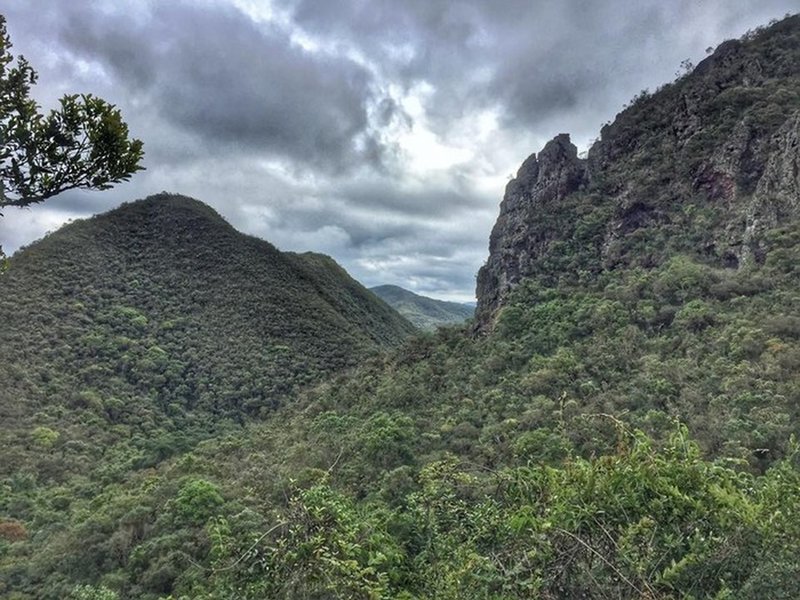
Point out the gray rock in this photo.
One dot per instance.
(705, 167)
(516, 241)
(777, 196)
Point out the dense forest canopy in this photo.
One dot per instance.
(195, 414)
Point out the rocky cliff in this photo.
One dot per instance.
(518, 237)
(705, 166)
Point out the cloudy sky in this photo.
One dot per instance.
(381, 132)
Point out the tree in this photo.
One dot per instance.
(84, 144)
(89, 592)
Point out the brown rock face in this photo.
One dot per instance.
(517, 239)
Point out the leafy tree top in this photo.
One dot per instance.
(84, 144)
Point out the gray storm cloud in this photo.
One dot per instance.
(380, 132)
(226, 79)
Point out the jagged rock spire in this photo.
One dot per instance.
(517, 240)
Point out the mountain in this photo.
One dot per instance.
(704, 167)
(156, 324)
(622, 422)
(425, 313)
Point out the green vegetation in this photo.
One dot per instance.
(84, 144)
(501, 466)
(677, 171)
(137, 333)
(182, 423)
(425, 313)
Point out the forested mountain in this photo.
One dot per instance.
(425, 313)
(621, 422)
(142, 330)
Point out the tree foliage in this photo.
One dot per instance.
(83, 144)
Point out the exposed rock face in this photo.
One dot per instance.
(517, 240)
(777, 196)
(706, 167)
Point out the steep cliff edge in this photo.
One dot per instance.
(705, 166)
(519, 238)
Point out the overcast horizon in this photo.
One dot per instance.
(380, 133)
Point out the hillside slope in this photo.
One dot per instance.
(625, 426)
(425, 313)
(705, 166)
(157, 323)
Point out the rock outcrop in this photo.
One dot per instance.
(705, 166)
(518, 239)
(777, 196)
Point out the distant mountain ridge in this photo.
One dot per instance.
(424, 312)
(160, 317)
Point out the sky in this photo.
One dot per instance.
(380, 132)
